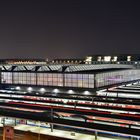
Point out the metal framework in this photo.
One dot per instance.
(63, 68)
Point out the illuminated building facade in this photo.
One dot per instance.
(74, 76)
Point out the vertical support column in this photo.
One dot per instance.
(63, 79)
(15, 122)
(92, 99)
(51, 120)
(117, 94)
(12, 77)
(0, 77)
(96, 135)
(75, 103)
(51, 113)
(36, 74)
(129, 125)
(51, 127)
(95, 81)
(106, 96)
(4, 121)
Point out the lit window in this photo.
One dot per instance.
(88, 59)
(99, 58)
(128, 58)
(115, 58)
(107, 58)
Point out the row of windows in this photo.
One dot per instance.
(110, 78)
(79, 80)
(51, 79)
(70, 80)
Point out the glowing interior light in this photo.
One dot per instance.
(30, 89)
(42, 90)
(86, 92)
(70, 91)
(18, 88)
(55, 90)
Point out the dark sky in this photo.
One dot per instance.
(68, 28)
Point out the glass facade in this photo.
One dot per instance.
(6, 77)
(50, 79)
(79, 80)
(24, 78)
(70, 79)
(109, 78)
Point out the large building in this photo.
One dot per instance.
(78, 96)
(68, 76)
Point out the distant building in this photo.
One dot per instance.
(67, 61)
(133, 59)
(23, 61)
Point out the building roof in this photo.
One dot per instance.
(64, 68)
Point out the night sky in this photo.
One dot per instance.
(68, 28)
